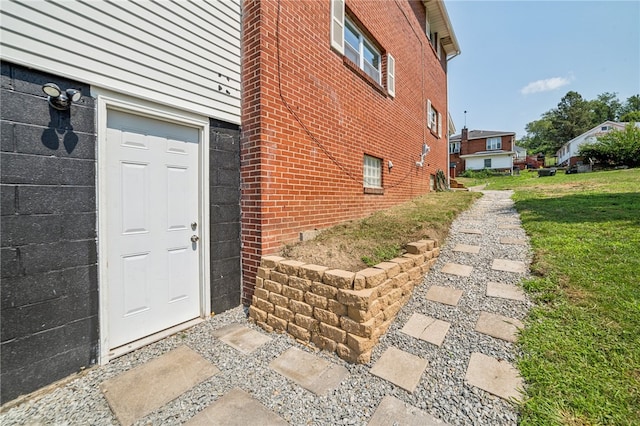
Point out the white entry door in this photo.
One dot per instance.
(152, 227)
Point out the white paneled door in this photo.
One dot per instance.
(152, 230)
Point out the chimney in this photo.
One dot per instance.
(464, 138)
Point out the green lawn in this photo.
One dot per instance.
(581, 344)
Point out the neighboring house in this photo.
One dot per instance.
(120, 215)
(523, 161)
(568, 153)
(339, 99)
(520, 153)
(141, 209)
(481, 149)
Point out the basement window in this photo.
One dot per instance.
(372, 173)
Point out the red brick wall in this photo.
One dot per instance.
(306, 172)
(477, 145)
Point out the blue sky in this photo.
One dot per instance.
(519, 58)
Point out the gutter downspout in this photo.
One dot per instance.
(448, 134)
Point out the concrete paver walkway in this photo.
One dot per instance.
(236, 408)
(138, 392)
(400, 368)
(442, 347)
(310, 372)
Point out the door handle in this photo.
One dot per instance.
(194, 238)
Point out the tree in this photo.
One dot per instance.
(616, 148)
(630, 111)
(630, 117)
(536, 140)
(606, 107)
(632, 104)
(571, 118)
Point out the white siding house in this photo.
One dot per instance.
(121, 208)
(568, 153)
(488, 160)
(185, 54)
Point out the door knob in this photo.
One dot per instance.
(194, 238)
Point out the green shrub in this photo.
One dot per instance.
(616, 148)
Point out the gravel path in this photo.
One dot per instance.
(442, 391)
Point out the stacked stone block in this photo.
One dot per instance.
(336, 310)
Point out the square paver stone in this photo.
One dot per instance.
(236, 408)
(400, 368)
(241, 338)
(513, 241)
(505, 291)
(510, 226)
(509, 265)
(496, 377)
(426, 328)
(392, 411)
(142, 390)
(471, 231)
(457, 269)
(309, 371)
(498, 326)
(466, 248)
(446, 295)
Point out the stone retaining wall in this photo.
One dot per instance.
(336, 310)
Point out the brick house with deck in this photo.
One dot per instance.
(481, 149)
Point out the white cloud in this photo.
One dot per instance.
(545, 85)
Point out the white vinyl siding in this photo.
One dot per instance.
(372, 172)
(180, 53)
(497, 162)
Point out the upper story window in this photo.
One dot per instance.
(434, 119)
(431, 35)
(361, 51)
(350, 40)
(454, 147)
(494, 143)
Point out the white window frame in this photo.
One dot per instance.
(337, 40)
(372, 172)
(485, 163)
(494, 143)
(434, 119)
(454, 147)
(364, 44)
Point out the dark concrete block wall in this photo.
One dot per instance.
(49, 277)
(224, 197)
(49, 288)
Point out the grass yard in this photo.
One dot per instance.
(356, 244)
(581, 345)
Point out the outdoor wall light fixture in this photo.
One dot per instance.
(425, 150)
(61, 100)
(390, 165)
